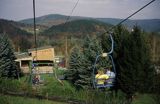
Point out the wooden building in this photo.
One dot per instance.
(43, 60)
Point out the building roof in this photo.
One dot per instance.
(40, 48)
(43, 53)
(22, 55)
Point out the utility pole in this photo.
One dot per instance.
(66, 52)
(154, 49)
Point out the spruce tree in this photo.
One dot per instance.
(82, 62)
(8, 67)
(143, 66)
(91, 48)
(132, 60)
(74, 65)
(123, 57)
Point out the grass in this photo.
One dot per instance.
(52, 87)
(14, 85)
(22, 100)
(144, 99)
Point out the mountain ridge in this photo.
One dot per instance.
(78, 28)
(51, 19)
(12, 27)
(149, 25)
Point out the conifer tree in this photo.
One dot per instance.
(142, 64)
(91, 48)
(7, 64)
(81, 63)
(74, 65)
(132, 60)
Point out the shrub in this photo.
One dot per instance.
(13, 85)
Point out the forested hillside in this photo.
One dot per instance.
(78, 28)
(51, 19)
(71, 32)
(149, 25)
(55, 36)
(21, 39)
(12, 28)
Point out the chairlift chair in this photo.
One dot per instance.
(109, 82)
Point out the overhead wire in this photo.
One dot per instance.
(94, 85)
(129, 16)
(69, 16)
(67, 20)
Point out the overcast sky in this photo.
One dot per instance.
(22, 9)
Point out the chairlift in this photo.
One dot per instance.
(110, 81)
(36, 77)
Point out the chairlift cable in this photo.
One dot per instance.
(69, 16)
(111, 51)
(67, 19)
(110, 29)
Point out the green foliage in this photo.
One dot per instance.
(52, 88)
(7, 59)
(75, 63)
(23, 100)
(144, 99)
(140, 54)
(24, 44)
(12, 28)
(77, 28)
(154, 41)
(14, 86)
(101, 97)
(132, 59)
(61, 91)
(157, 83)
(3, 100)
(16, 34)
(81, 63)
(156, 88)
